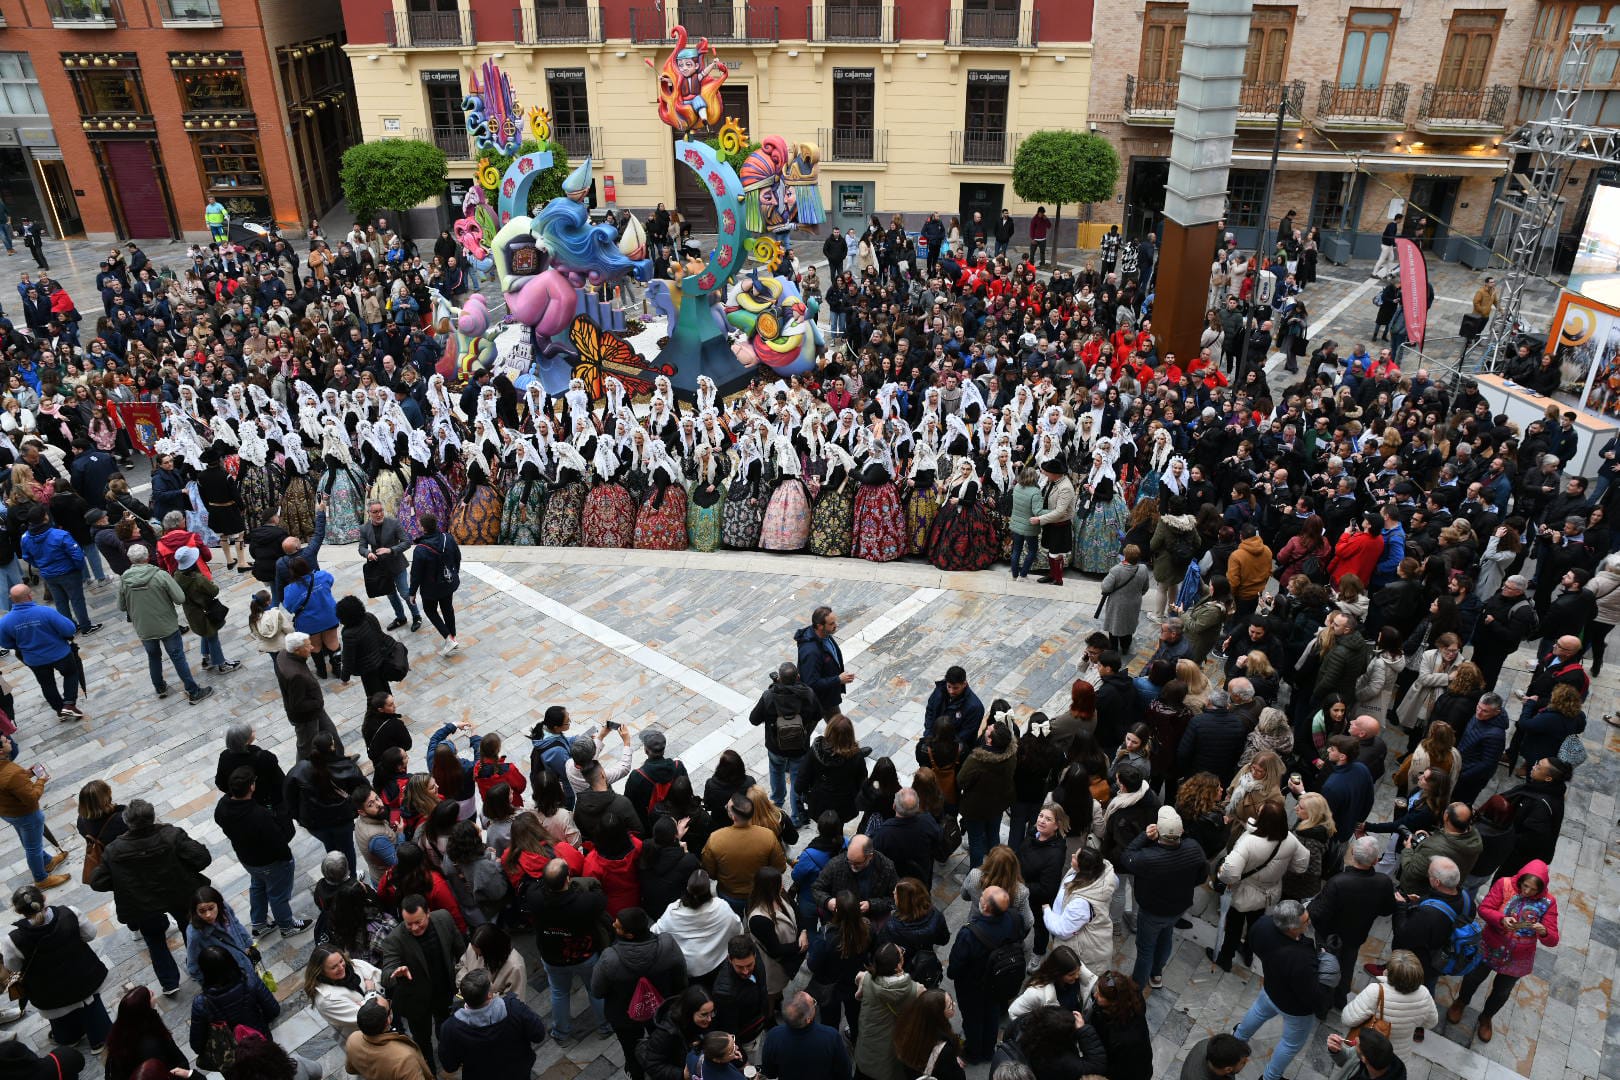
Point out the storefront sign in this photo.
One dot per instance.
(634, 173)
(565, 74)
(441, 77)
(992, 78)
(36, 136)
(850, 75)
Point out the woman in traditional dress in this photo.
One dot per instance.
(923, 496)
(744, 513)
(222, 497)
(1157, 462)
(1174, 480)
(427, 493)
(879, 525)
(258, 480)
(560, 524)
(476, 518)
(661, 521)
(832, 517)
(609, 518)
(339, 483)
(298, 492)
(786, 526)
(687, 442)
(963, 536)
(524, 508)
(997, 495)
(708, 493)
(1096, 549)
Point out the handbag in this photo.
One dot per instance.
(94, 849)
(933, 1059)
(1219, 886)
(216, 611)
(397, 664)
(1376, 1022)
(379, 581)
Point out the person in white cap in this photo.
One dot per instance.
(204, 612)
(1168, 872)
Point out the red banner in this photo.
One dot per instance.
(1414, 288)
(143, 420)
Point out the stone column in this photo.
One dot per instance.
(1200, 158)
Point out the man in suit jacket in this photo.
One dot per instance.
(821, 662)
(420, 956)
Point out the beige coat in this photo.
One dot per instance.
(1433, 675)
(1252, 855)
(390, 1056)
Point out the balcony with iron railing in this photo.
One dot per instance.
(994, 29)
(453, 140)
(1362, 108)
(1150, 102)
(735, 24)
(191, 14)
(857, 23)
(993, 148)
(579, 140)
(85, 14)
(1462, 112)
(853, 145)
(430, 29)
(569, 26)
(1257, 102)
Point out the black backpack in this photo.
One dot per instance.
(1183, 545)
(1003, 968)
(792, 735)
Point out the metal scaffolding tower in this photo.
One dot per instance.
(1553, 143)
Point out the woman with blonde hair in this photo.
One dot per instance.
(1265, 679)
(1399, 996)
(1438, 750)
(1198, 686)
(769, 815)
(1313, 827)
(1255, 785)
(1001, 868)
(1272, 734)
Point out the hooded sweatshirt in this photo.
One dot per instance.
(150, 596)
(495, 1041)
(1249, 568)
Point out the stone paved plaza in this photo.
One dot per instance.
(684, 642)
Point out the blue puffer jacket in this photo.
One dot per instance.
(40, 634)
(311, 602)
(51, 551)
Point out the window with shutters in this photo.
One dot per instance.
(1270, 30)
(1164, 27)
(1367, 38)
(1466, 58)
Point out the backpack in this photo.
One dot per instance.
(1534, 628)
(396, 662)
(1463, 952)
(1311, 566)
(792, 735)
(449, 576)
(1183, 545)
(644, 1001)
(924, 966)
(219, 1048)
(950, 838)
(1572, 751)
(659, 793)
(1003, 968)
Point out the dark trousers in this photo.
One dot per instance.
(980, 1016)
(337, 838)
(1236, 929)
(373, 683)
(68, 668)
(441, 612)
(630, 1033)
(425, 1024)
(1501, 990)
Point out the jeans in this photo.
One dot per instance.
(981, 837)
(154, 929)
(784, 779)
(175, 646)
(1296, 1033)
(46, 674)
(10, 574)
(441, 612)
(1001, 247)
(561, 979)
(66, 590)
(402, 589)
(337, 838)
(1024, 550)
(212, 651)
(270, 892)
(5, 234)
(1155, 941)
(90, 1021)
(31, 832)
(92, 559)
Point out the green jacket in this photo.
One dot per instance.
(198, 590)
(1026, 503)
(150, 597)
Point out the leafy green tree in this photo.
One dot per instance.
(393, 175)
(543, 190)
(1064, 167)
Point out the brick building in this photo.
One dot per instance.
(1420, 95)
(917, 106)
(121, 118)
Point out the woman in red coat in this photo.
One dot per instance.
(613, 859)
(492, 769)
(1520, 915)
(1358, 550)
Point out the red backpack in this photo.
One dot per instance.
(659, 790)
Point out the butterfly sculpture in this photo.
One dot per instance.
(603, 353)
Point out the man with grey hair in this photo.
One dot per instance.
(909, 838)
(1244, 702)
(1423, 924)
(176, 536)
(302, 695)
(1173, 644)
(242, 749)
(789, 712)
(1482, 744)
(1507, 620)
(152, 599)
(1289, 987)
(800, 1049)
(1350, 902)
(1214, 739)
(294, 548)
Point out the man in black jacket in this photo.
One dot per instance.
(493, 1037)
(383, 541)
(1348, 905)
(1214, 739)
(427, 945)
(152, 871)
(787, 696)
(1118, 704)
(1168, 870)
(566, 916)
(836, 248)
(1004, 232)
(821, 661)
(259, 837)
(1422, 927)
(641, 786)
(1505, 622)
(741, 1004)
(863, 871)
(933, 237)
(909, 838)
(1289, 988)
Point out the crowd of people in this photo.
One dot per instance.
(1335, 569)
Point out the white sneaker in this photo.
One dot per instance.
(450, 646)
